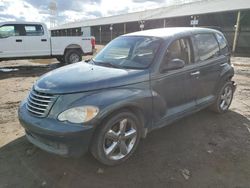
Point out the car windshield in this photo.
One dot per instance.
(132, 52)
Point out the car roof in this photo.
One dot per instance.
(172, 31)
(19, 22)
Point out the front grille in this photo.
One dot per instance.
(39, 104)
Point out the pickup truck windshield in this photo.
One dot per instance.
(132, 52)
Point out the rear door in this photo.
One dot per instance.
(175, 88)
(36, 40)
(209, 62)
(11, 44)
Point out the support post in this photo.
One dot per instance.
(100, 32)
(164, 23)
(124, 28)
(111, 31)
(142, 22)
(236, 34)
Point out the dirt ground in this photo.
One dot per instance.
(203, 150)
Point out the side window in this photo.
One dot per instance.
(33, 30)
(222, 43)
(207, 46)
(8, 31)
(180, 49)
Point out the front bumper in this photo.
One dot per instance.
(53, 136)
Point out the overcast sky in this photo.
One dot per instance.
(72, 10)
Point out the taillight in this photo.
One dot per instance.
(93, 42)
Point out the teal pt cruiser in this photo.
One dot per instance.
(139, 82)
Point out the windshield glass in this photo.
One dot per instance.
(129, 52)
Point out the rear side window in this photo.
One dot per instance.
(222, 43)
(33, 30)
(207, 46)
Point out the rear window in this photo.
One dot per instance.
(207, 46)
(222, 43)
(33, 30)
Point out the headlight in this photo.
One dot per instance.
(79, 114)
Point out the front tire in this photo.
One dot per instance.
(117, 138)
(224, 98)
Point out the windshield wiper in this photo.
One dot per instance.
(90, 61)
(87, 60)
(107, 64)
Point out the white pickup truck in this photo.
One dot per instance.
(30, 40)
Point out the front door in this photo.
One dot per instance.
(174, 90)
(11, 43)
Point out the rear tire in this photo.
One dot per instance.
(224, 98)
(116, 140)
(72, 56)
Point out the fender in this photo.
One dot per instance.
(110, 101)
(226, 74)
(73, 46)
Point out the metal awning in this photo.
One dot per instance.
(194, 8)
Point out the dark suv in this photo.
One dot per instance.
(138, 82)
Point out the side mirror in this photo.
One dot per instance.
(173, 65)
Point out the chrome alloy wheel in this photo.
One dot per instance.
(120, 139)
(74, 58)
(226, 98)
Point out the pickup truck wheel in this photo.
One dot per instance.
(72, 56)
(117, 139)
(224, 98)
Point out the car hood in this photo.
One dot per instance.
(80, 77)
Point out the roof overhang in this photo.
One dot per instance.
(187, 9)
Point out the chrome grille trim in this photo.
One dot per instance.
(45, 101)
(34, 112)
(37, 108)
(39, 104)
(42, 96)
(32, 102)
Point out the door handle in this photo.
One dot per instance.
(43, 40)
(19, 40)
(195, 73)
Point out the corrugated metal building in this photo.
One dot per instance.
(231, 17)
